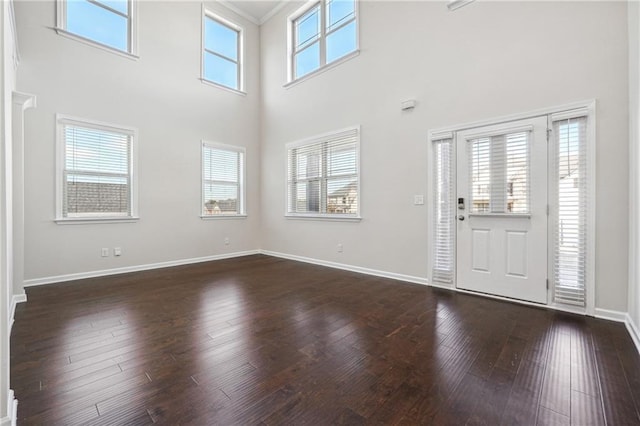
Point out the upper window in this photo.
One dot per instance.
(109, 23)
(321, 34)
(221, 52)
(95, 171)
(222, 180)
(324, 176)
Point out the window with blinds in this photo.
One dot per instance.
(443, 249)
(221, 52)
(95, 172)
(222, 180)
(499, 173)
(323, 176)
(570, 216)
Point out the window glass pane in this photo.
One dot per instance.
(222, 184)
(98, 24)
(221, 165)
(88, 195)
(307, 28)
(341, 160)
(339, 11)
(341, 42)
(220, 70)
(480, 175)
(96, 173)
(121, 6)
(96, 150)
(308, 197)
(323, 175)
(220, 198)
(221, 39)
(342, 196)
(571, 216)
(308, 163)
(308, 60)
(518, 173)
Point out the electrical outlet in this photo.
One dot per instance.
(105, 252)
(340, 248)
(117, 251)
(418, 200)
(226, 241)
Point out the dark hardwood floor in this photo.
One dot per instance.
(261, 340)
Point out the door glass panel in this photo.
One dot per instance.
(499, 173)
(480, 156)
(518, 173)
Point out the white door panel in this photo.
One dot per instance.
(502, 227)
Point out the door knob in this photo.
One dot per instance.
(461, 217)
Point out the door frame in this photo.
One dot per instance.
(589, 108)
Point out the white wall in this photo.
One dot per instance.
(486, 60)
(161, 95)
(634, 163)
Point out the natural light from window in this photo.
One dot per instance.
(222, 180)
(106, 22)
(322, 34)
(221, 53)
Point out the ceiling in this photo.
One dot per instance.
(257, 11)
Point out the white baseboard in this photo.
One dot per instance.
(137, 268)
(633, 330)
(17, 298)
(367, 271)
(610, 315)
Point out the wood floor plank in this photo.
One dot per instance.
(262, 340)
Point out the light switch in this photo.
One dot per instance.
(418, 200)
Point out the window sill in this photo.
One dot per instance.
(220, 86)
(93, 43)
(332, 218)
(322, 69)
(97, 220)
(224, 216)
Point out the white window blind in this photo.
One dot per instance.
(570, 218)
(222, 180)
(443, 249)
(499, 173)
(323, 176)
(96, 171)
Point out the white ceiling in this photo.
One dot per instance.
(257, 11)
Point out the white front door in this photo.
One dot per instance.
(502, 210)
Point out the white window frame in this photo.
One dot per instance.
(61, 121)
(323, 139)
(291, 52)
(242, 179)
(207, 14)
(132, 29)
